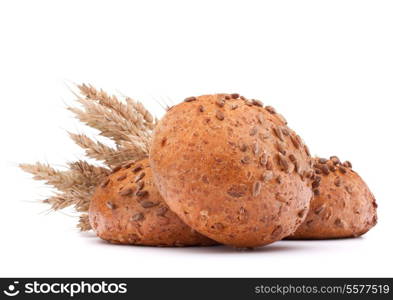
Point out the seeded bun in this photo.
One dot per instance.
(127, 209)
(232, 169)
(342, 206)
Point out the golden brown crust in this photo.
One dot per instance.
(343, 206)
(231, 169)
(127, 209)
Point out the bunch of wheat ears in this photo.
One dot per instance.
(125, 121)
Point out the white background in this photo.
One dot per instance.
(326, 65)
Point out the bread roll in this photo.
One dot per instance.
(342, 206)
(232, 169)
(127, 209)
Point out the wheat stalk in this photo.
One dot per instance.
(125, 151)
(95, 150)
(77, 198)
(138, 107)
(60, 180)
(110, 123)
(133, 110)
(128, 124)
(92, 175)
(84, 224)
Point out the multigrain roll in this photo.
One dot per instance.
(231, 169)
(128, 209)
(343, 206)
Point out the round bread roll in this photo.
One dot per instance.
(127, 209)
(232, 169)
(342, 205)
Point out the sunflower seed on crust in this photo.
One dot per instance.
(126, 192)
(220, 115)
(139, 177)
(277, 130)
(105, 183)
(283, 162)
(256, 189)
(141, 194)
(110, 205)
(138, 217)
(257, 102)
(263, 159)
(268, 175)
(115, 169)
(190, 99)
(121, 178)
(148, 204)
(270, 109)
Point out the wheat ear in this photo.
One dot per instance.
(110, 123)
(61, 180)
(84, 224)
(129, 124)
(133, 110)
